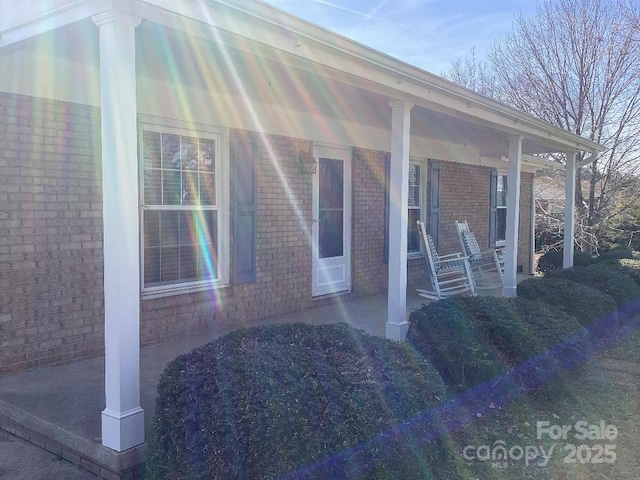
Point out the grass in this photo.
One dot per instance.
(604, 389)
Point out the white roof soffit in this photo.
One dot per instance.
(300, 44)
(358, 65)
(29, 18)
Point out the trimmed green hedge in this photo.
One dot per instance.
(553, 260)
(585, 303)
(628, 266)
(263, 402)
(448, 337)
(472, 340)
(616, 254)
(606, 278)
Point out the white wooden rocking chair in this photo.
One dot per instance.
(487, 267)
(450, 274)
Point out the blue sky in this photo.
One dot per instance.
(425, 33)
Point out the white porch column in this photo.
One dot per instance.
(397, 324)
(569, 210)
(513, 217)
(122, 419)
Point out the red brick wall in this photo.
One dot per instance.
(464, 191)
(51, 299)
(369, 265)
(51, 302)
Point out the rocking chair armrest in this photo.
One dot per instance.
(454, 259)
(488, 254)
(451, 255)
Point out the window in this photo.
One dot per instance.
(501, 208)
(183, 214)
(416, 206)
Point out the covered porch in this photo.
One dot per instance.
(55, 407)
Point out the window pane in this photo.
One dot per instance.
(207, 189)
(188, 262)
(189, 153)
(170, 151)
(413, 235)
(501, 223)
(151, 228)
(170, 264)
(172, 187)
(207, 156)
(151, 150)
(151, 265)
(169, 229)
(207, 260)
(414, 185)
(501, 191)
(152, 186)
(189, 188)
(208, 244)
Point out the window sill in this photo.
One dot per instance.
(173, 290)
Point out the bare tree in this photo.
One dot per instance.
(472, 73)
(576, 64)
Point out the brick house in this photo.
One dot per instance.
(170, 166)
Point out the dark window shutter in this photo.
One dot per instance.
(493, 212)
(434, 200)
(243, 153)
(387, 206)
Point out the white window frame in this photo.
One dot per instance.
(222, 180)
(422, 206)
(503, 175)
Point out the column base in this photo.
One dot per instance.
(509, 292)
(122, 431)
(397, 331)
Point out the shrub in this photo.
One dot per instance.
(582, 259)
(616, 254)
(559, 333)
(263, 402)
(553, 260)
(606, 278)
(446, 334)
(472, 340)
(630, 267)
(583, 302)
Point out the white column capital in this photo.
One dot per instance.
(401, 104)
(116, 16)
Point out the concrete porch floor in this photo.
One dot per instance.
(58, 408)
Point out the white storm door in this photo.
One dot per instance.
(331, 230)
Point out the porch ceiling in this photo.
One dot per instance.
(255, 52)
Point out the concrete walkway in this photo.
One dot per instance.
(59, 408)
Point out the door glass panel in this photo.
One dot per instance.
(331, 183)
(331, 234)
(331, 205)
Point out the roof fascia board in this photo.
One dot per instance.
(58, 15)
(397, 79)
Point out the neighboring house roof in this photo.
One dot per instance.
(364, 77)
(552, 190)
